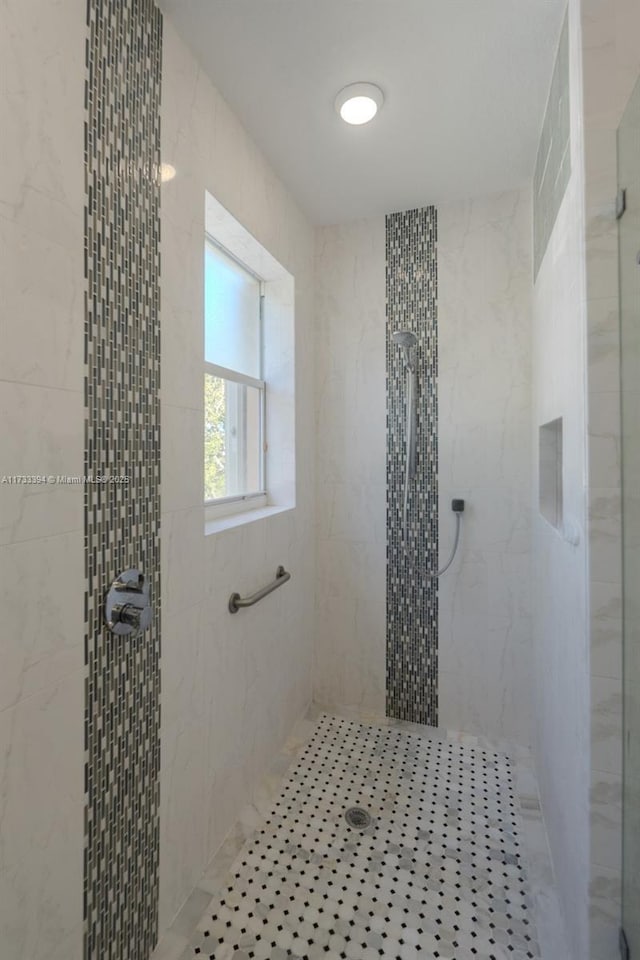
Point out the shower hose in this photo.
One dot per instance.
(458, 508)
(454, 549)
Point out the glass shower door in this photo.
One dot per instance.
(629, 180)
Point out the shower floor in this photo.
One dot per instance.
(439, 873)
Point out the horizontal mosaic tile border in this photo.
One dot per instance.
(412, 598)
(122, 438)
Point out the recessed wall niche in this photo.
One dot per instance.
(550, 467)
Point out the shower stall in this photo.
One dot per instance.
(320, 748)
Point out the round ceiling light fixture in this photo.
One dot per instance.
(359, 102)
(167, 172)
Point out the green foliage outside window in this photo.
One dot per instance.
(214, 437)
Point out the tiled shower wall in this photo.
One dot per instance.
(42, 52)
(560, 588)
(232, 686)
(484, 456)
(611, 64)
(354, 262)
(351, 452)
(122, 445)
(412, 541)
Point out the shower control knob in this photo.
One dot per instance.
(127, 613)
(128, 608)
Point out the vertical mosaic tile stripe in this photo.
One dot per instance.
(412, 598)
(122, 439)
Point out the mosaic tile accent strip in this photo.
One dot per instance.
(412, 597)
(439, 873)
(122, 439)
(553, 162)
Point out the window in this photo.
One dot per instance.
(234, 388)
(249, 376)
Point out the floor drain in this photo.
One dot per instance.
(358, 818)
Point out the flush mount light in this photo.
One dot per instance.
(167, 172)
(359, 102)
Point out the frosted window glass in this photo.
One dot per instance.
(231, 314)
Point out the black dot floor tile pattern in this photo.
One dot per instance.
(437, 875)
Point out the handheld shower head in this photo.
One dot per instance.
(406, 341)
(404, 338)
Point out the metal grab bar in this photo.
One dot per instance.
(236, 601)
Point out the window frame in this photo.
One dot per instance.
(258, 383)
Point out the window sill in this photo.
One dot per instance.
(239, 519)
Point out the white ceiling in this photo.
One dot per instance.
(465, 81)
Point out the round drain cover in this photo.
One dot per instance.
(358, 818)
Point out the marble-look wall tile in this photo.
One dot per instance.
(41, 804)
(601, 248)
(484, 253)
(38, 646)
(41, 308)
(350, 464)
(606, 629)
(183, 559)
(184, 800)
(604, 417)
(352, 512)
(182, 472)
(182, 305)
(41, 433)
(600, 163)
(605, 895)
(606, 809)
(41, 117)
(605, 537)
(560, 570)
(611, 59)
(611, 64)
(606, 725)
(232, 685)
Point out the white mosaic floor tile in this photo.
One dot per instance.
(437, 874)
